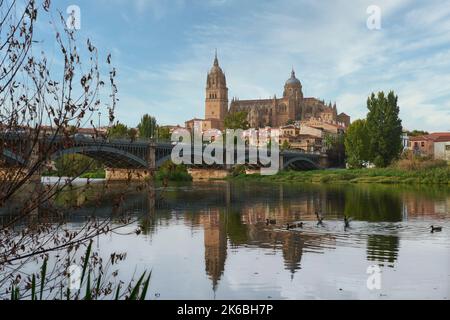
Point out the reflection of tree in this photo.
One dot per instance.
(383, 248)
(236, 230)
(373, 204)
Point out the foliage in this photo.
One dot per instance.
(118, 131)
(357, 144)
(384, 128)
(148, 127)
(93, 284)
(172, 172)
(284, 146)
(39, 100)
(409, 161)
(335, 146)
(75, 165)
(237, 120)
(417, 133)
(427, 176)
(132, 134)
(164, 134)
(238, 170)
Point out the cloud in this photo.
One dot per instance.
(336, 57)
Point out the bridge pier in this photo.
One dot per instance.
(119, 174)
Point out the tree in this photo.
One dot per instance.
(237, 120)
(384, 128)
(417, 133)
(164, 133)
(357, 144)
(147, 127)
(132, 134)
(284, 146)
(335, 149)
(118, 131)
(42, 105)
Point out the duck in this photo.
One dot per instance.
(347, 222)
(435, 229)
(300, 225)
(271, 222)
(319, 219)
(290, 227)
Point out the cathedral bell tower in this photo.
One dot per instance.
(216, 105)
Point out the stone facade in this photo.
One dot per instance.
(216, 104)
(293, 106)
(262, 113)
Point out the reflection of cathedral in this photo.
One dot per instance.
(215, 238)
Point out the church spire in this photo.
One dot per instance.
(216, 61)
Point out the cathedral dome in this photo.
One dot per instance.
(293, 80)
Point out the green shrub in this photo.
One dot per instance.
(172, 172)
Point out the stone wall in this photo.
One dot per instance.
(127, 174)
(208, 174)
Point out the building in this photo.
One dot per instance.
(293, 106)
(262, 113)
(436, 145)
(303, 142)
(216, 104)
(442, 148)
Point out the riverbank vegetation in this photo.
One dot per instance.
(437, 174)
(172, 172)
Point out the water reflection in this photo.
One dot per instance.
(230, 218)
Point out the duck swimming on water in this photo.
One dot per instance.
(271, 222)
(347, 222)
(435, 229)
(319, 219)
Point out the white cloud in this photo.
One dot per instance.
(335, 55)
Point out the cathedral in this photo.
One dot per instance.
(274, 112)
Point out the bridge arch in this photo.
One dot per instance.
(12, 157)
(110, 156)
(300, 163)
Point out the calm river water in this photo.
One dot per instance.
(210, 240)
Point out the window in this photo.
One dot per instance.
(447, 147)
(423, 144)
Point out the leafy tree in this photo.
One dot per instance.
(335, 148)
(172, 172)
(384, 128)
(148, 127)
(118, 131)
(285, 145)
(164, 133)
(357, 144)
(290, 122)
(132, 134)
(237, 120)
(75, 165)
(417, 133)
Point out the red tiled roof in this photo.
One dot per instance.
(435, 137)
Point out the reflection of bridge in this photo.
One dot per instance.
(123, 154)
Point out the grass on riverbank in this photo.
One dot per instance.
(385, 176)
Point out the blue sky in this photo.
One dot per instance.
(163, 49)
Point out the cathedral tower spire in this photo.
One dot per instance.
(216, 105)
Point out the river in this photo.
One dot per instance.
(211, 241)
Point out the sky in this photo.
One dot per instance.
(163, 49)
